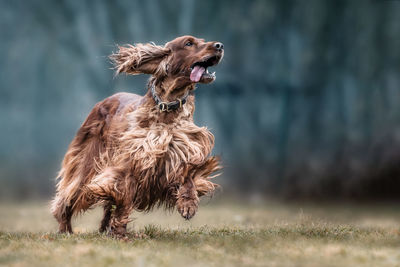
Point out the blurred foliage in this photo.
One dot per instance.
(306, 101)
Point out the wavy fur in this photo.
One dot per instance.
(127, 155)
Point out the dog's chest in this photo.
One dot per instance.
(167, 148)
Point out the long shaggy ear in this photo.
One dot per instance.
(140, 58)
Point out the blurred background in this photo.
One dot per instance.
(306, 103)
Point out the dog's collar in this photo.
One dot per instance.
(167, 106)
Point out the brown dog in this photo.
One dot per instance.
(133, 152)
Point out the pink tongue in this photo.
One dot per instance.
(196, 73)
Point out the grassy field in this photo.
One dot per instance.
(221, 234)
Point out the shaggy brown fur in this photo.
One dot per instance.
(128, 155)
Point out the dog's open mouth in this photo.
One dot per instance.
(199, 70)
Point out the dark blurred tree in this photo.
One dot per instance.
(306, 102)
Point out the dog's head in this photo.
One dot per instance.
(185, 58)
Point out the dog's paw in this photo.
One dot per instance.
(118, 232)
(187, 208)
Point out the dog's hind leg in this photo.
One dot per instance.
(105, 222)
(66, 226)
(64, 221)
(63, 213)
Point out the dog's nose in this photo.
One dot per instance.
(219, 46)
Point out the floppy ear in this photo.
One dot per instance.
(140, 58)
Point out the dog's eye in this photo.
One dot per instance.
(189, 43)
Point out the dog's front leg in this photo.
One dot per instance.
(188, 200)
(119, 219)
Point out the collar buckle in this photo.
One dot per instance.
(163, 107)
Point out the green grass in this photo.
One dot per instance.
(265, 234)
